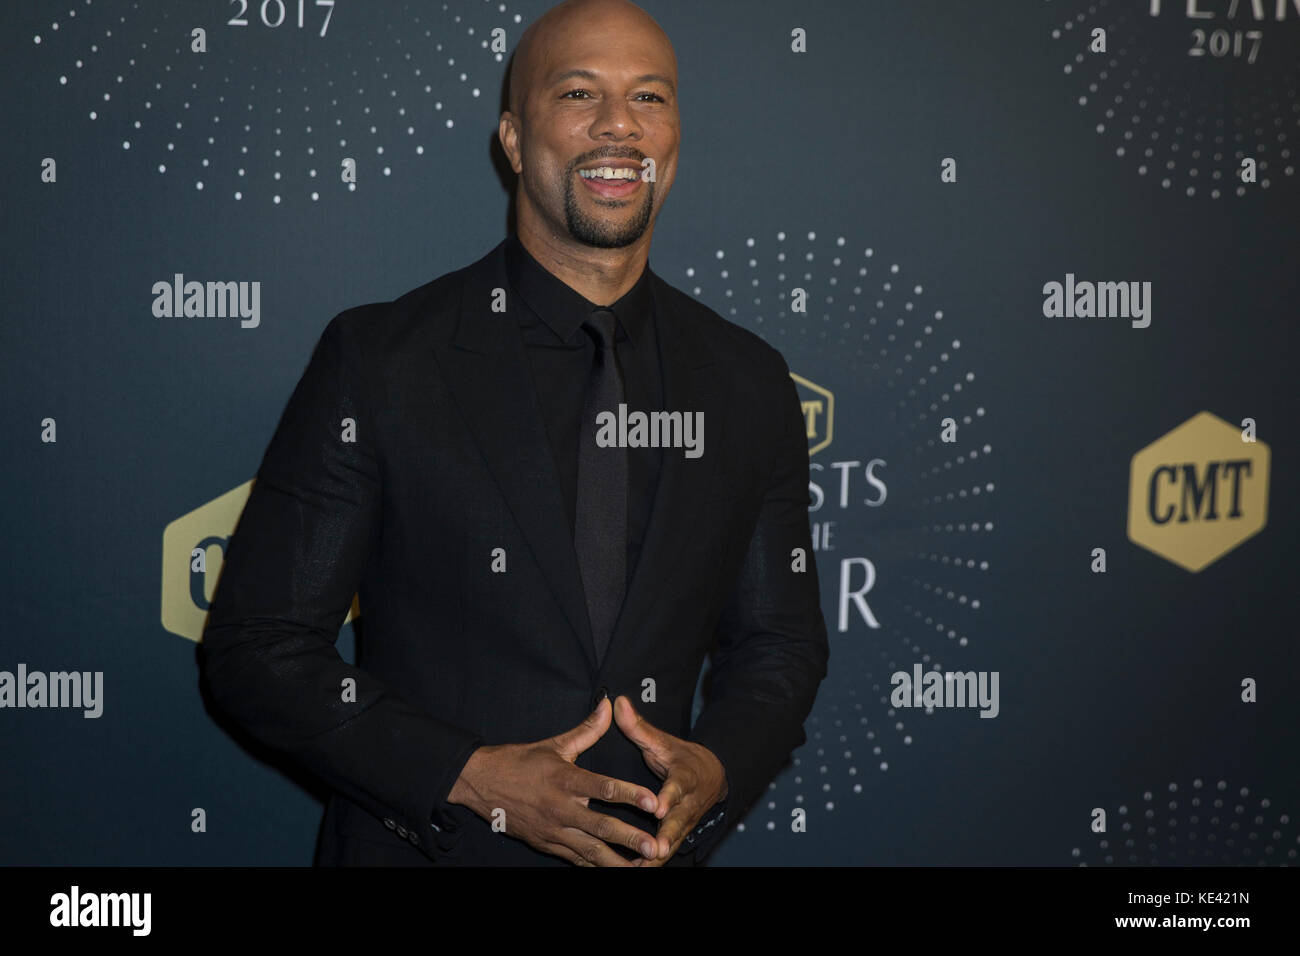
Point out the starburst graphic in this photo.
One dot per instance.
(381, 89)
(897, 366)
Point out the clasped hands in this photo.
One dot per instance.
(544, 794)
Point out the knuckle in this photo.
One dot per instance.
(554, 787)
(606, 827)
(556, 778)
(608, 789)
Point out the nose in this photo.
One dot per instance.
(617, 116)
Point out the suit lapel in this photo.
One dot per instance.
(690, 385)
(487, 371)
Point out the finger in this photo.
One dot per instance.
(642, 861)
(674, 827)
(564, 853)
(595, 786)
(573, 742)
(593, 851)
(670, 794)
(614, 831)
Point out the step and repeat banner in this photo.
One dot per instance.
(1033, 266)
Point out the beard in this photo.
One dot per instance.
(603, 234)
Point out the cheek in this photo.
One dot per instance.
(546, 183)
(664, 182)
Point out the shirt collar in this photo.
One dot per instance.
(564, 309)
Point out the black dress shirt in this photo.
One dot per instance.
(561, 356)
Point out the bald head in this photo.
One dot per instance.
(530, 63)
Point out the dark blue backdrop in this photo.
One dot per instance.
(821, 170)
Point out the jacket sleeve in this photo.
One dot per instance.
(293, 565)
(772, 649)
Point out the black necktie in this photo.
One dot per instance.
(600, 532)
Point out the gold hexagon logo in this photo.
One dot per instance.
(189, 571)
(818, 405)
(1198, 492)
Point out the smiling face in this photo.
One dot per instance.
(593, 85)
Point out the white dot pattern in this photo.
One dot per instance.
(246, 129)
(1201, 824)
(1186, 126)
(866, 323)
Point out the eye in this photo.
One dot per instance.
(585, 93)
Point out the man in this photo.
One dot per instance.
(523, 573)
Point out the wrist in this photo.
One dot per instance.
(712, 758)
(465, 791)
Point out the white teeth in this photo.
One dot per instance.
(607, 172)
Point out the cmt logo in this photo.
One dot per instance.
(194, 547)
(1198, 492)
(818, 406)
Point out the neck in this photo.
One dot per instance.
(601, 276)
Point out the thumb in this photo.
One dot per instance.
(638, 730)
(573, 742)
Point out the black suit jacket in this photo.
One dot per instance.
(448, 461)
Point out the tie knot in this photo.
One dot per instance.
(601, 324)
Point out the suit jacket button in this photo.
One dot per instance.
(388, 822)
(600, 694)
(413, 838)
(401, 832)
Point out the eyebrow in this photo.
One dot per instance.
(643, 78)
